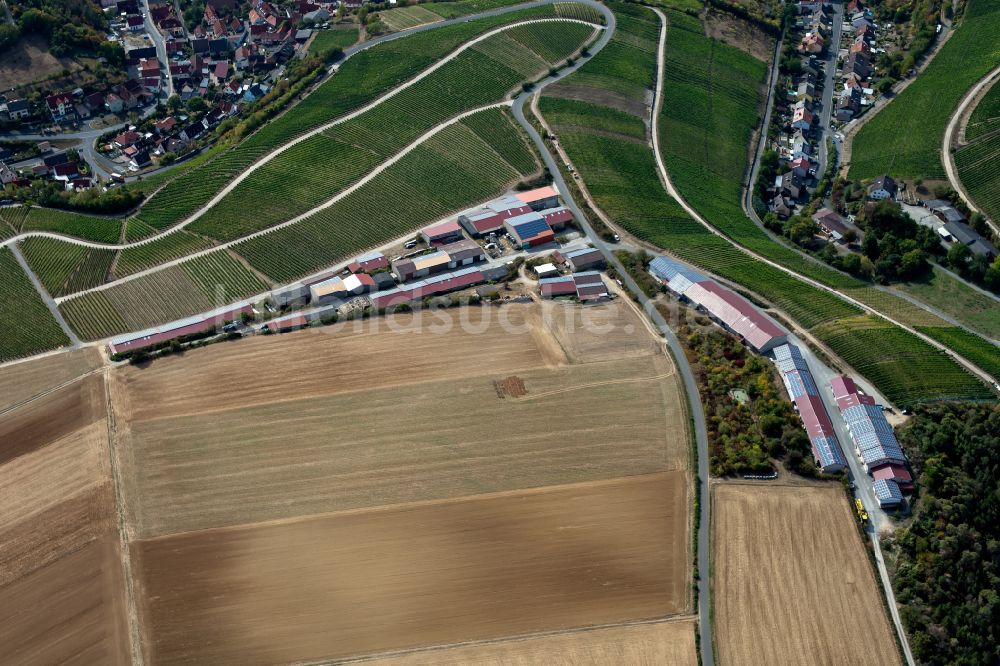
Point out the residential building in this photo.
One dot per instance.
(884, 187)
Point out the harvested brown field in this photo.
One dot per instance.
(22, 381)
(353, 356)
(52, 417)
(62, 593)
(666, 643)
(598, 332)
(70, 611)
(431, 573)
(791, 580)
(415, 442)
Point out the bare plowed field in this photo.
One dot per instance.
(22, 381)
(69, 612)
(792, 581)
(417, 442)
(51, 417)
(354, 356)
(655, 644)
(425, 574)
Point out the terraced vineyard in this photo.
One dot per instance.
(26, 325)
(902, 366)
(904, 138)
(172, 246)
(619, 172)
(454, 170)
(402, 18)
(343, 154)
(87, 227)
(63, 268)
(983, 353)
(985, 118)
(978, 165)
(194, 286)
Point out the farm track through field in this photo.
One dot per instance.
(308, 135)
(672, 190)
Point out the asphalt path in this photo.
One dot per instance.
(690, 384)
(826, 104)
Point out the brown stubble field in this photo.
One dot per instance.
(356, 490)
(791, 580)
(62, 592)
(24, 380)
(668, 643)
(420, 574)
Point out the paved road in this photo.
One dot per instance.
(690, 385)
(829, 71)
(948, 157)
(161, 48)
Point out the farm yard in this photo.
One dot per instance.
(791, 580)
(596, 440)
(904, 138)
(62, 592)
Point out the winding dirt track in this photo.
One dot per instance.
(308, 135)
(948, 157)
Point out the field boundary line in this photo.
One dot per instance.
(627, 380)
(297, 140)
(295, 220)
(516, 638)
(403, 506)
(50, 303)
(131, 609)
(49, 391)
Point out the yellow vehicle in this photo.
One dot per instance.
(860, 508)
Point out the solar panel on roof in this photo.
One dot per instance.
(531, 228)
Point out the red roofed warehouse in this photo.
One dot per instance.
(540, 199)
(445, 232)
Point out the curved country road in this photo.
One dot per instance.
(948, 157)
(690, 384)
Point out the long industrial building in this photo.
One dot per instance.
(805, 395)
(874, 441)
(735, 313)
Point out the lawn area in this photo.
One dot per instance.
(953, 297)
(904, 138)
(340, 36)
